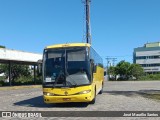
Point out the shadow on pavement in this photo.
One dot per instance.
(38, 102)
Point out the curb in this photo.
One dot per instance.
(20, 87)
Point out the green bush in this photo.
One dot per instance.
(122, 79)
(24, 80)
(1, 83)
(2, 78)
(27, 80)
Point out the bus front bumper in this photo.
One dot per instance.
(69, 98)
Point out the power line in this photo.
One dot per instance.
(111, 59)
(121, 56)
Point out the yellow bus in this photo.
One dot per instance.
(72, 73)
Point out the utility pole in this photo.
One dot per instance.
(114, 60)
(107, 68)
(108, 61)
(87, 8)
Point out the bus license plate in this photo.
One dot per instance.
(66, 99)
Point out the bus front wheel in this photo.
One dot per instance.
(94, 99)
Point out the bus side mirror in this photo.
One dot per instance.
(92, 62)
(39, 66)
(93, 65)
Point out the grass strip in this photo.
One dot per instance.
(155, 96)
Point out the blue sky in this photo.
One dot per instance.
(117, 26)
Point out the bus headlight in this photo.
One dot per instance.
(85, 92)
(48, 94)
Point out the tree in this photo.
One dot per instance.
(136, 70)
(1, 46)
(126, 70)
(112, 71)
(16, 70)
(122, 69)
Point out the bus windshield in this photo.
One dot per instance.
(66, 67)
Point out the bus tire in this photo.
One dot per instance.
(94, 99)
(101, 91)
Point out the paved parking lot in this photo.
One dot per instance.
(117, 96)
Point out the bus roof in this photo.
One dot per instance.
(68, 45)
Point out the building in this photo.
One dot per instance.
(148, 57)
(9, 56)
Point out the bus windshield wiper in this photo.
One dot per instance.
(70, 84)
(73, 85)
(59, 75)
